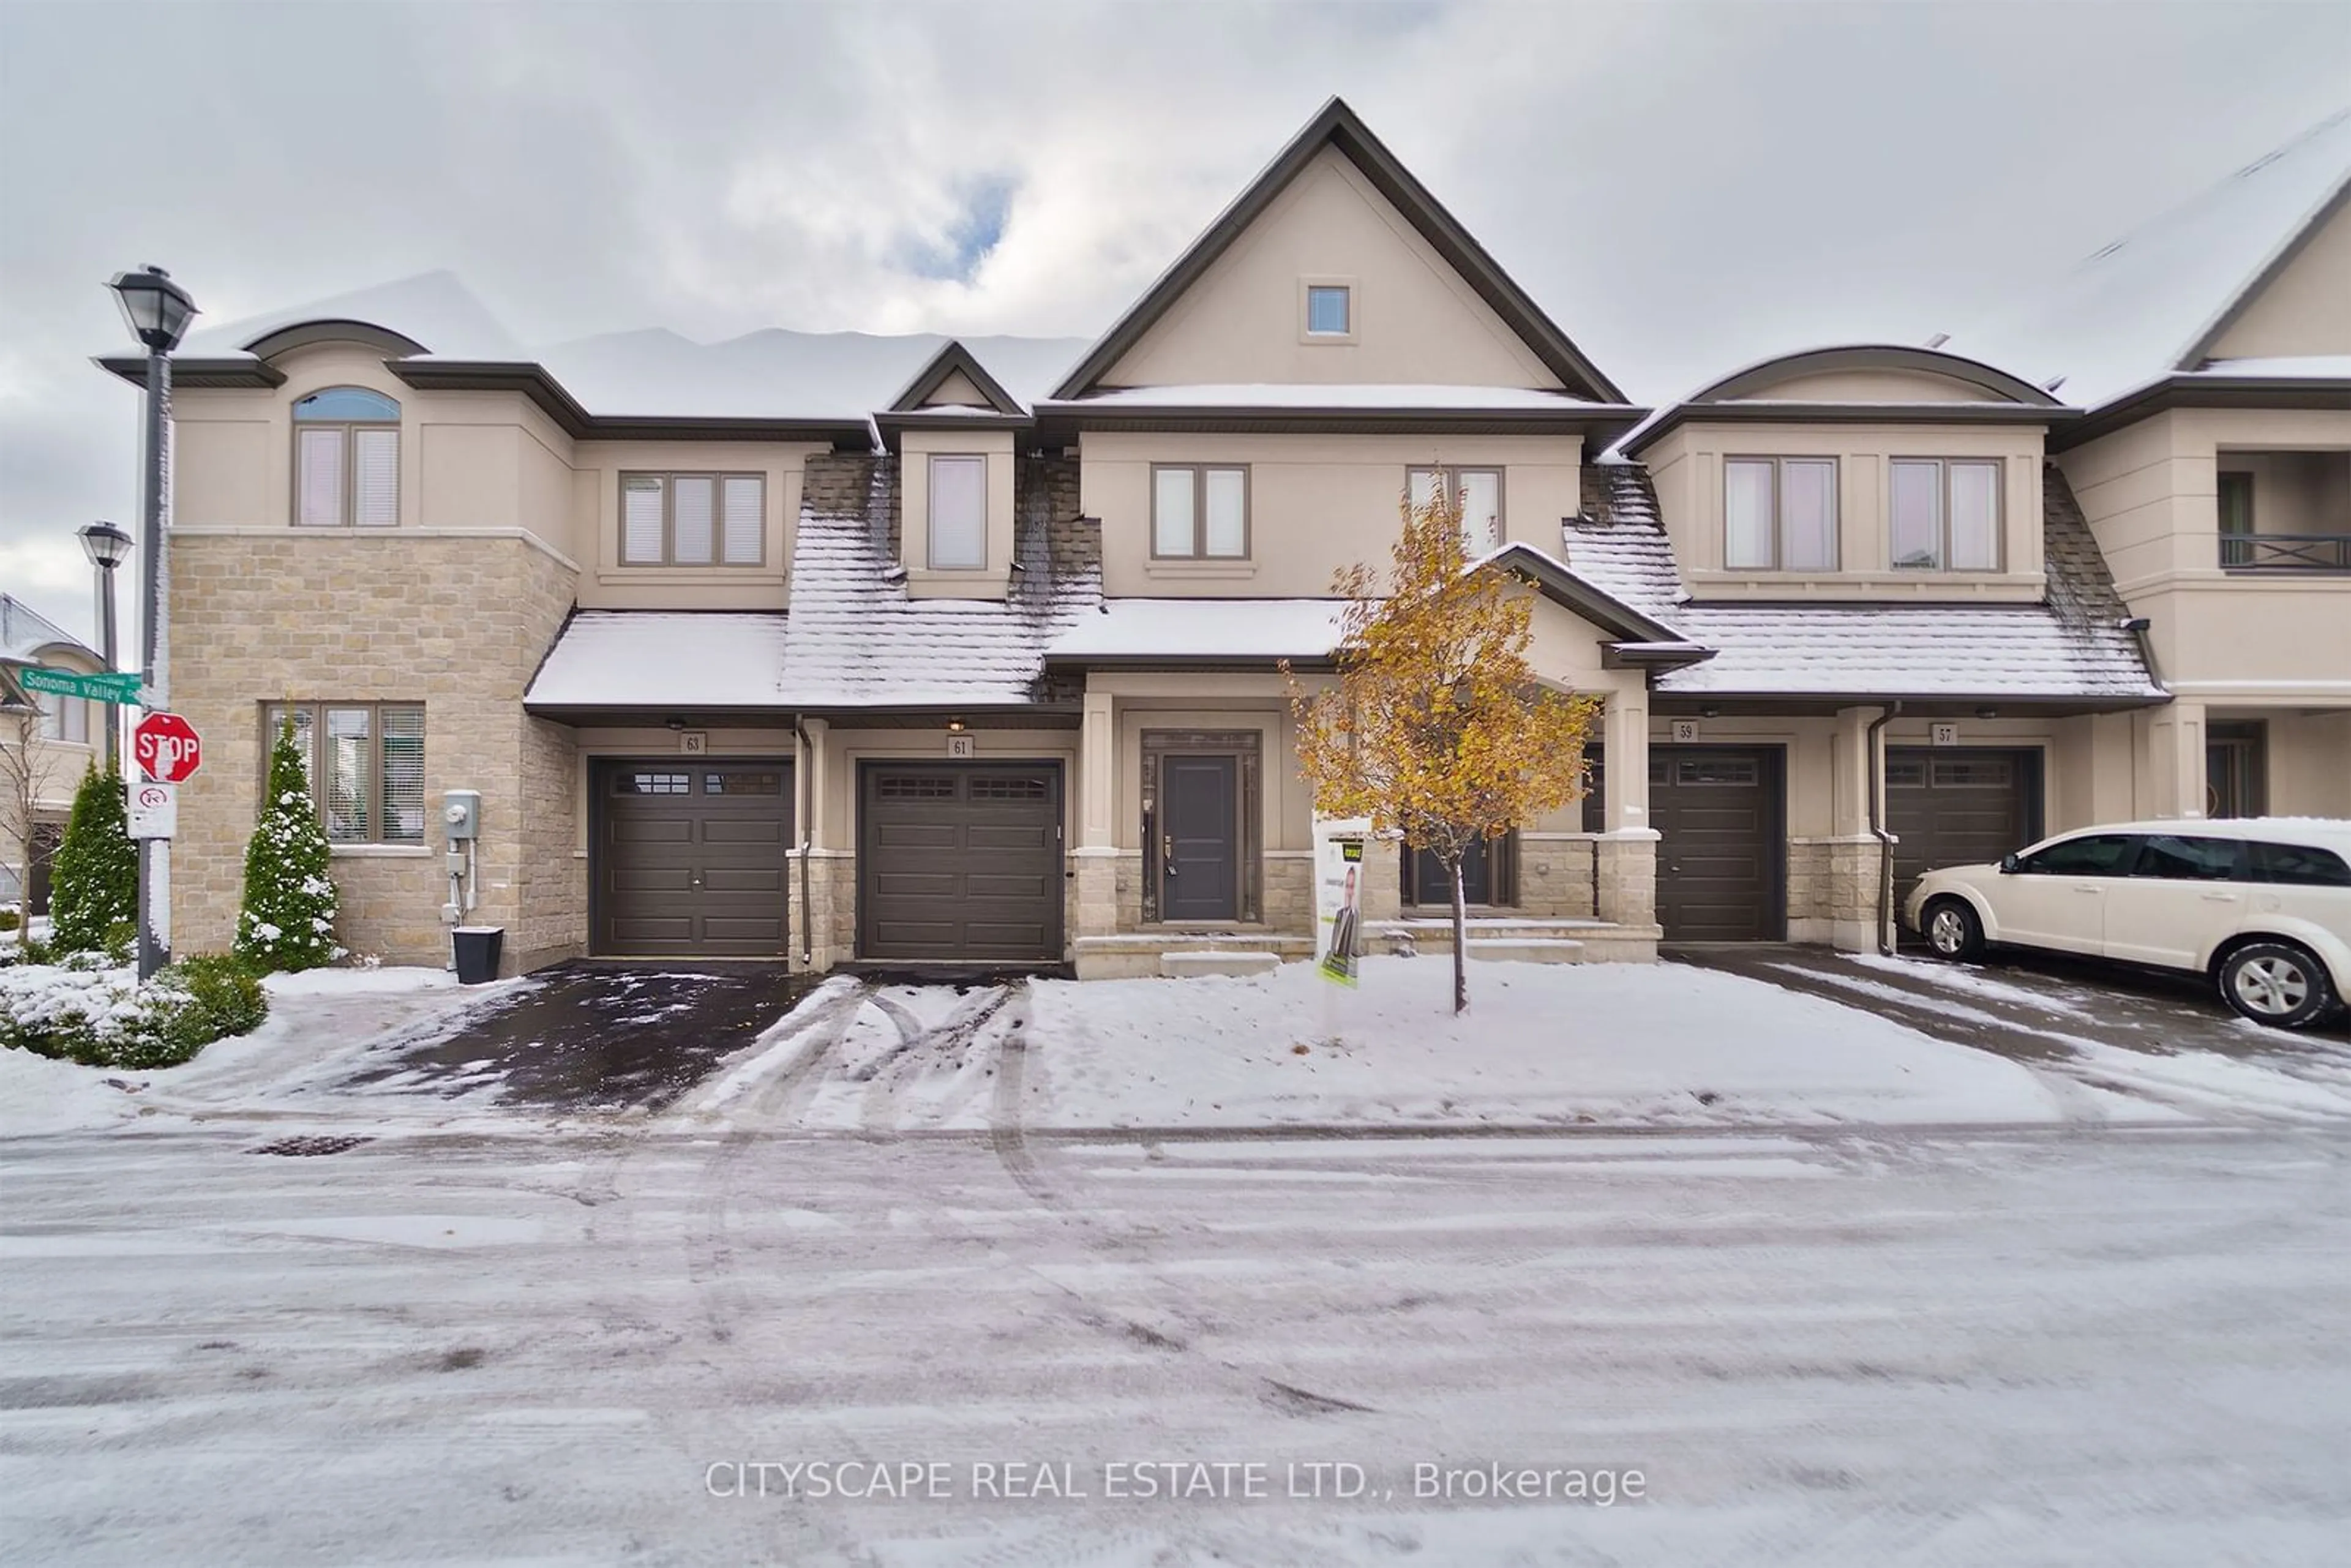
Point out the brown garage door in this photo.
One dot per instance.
(689, 858)
(1957, 806)
(960, 861)
(1719, 852)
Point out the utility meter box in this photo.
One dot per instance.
(460, 814)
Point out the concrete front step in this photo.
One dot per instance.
(1141, 954)
(1526, 951)
(1591, 941)
(1178, 966)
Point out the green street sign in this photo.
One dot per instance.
(111, 688)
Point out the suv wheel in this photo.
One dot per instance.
(1952, 929)
(2276, 983)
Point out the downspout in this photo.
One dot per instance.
(808, 839)
(1875, 747)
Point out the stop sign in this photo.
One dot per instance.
(166, 746)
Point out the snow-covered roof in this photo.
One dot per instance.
(1329, 394)
(435, 309)
(656, 373)
(1235, 628)
(2306, 367)
(24, 632)
(656, 660)
(2074, 646)
(2139, 308)
(859, 639)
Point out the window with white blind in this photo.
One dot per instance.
(346, 459)
(365, 763)
(66, 720)
(958, 520)
(1479, 493)
(1199, 511)
(1779, 514)
(694, 520)
(1946, 514)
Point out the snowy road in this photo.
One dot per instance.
(2037, 1346)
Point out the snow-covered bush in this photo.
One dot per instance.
(84, 1010)
(94, 882)
(288, 918)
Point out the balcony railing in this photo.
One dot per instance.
(2285, 552)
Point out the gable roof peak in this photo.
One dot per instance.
(1336, 126)
(952, 358)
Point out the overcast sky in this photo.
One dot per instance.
(1683, 187)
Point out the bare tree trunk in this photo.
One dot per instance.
(1460, 943)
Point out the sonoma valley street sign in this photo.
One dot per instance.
(166, 746)
(113, 687)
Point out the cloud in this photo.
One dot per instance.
(1682, 187)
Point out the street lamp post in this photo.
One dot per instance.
(157, 311)
(107, 547)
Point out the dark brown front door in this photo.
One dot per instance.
(46, 837)
(689, 859)
(1717, 813)
(1429, 885)
(1957, 806)
(960, 861)
(1200, 863)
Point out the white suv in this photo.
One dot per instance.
(2262, 904)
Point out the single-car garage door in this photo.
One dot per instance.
(960, 861)
(1720, 851)
(1957, 806)
(689, 858)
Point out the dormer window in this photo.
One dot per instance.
(1780, 514)
(958, 520)
(1946, 514)
(346, 459)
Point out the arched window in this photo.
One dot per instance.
(346, 459)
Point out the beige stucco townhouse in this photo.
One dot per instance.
(47, 744)
(847, 648)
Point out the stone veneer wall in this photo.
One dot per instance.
(1833, 888)
(830, 912)
(459, 624)
(1555, 880)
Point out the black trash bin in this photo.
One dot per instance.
(477, 952)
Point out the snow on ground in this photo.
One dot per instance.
(2298, 1075)
(318, 1022)
(1824, 1348)
(1620, 1043)
(1569, 1044)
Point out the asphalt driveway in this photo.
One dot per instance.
(2033, 1007)
(593, 1037)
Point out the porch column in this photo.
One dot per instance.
(2175, 760)
(1842, 882)
(1094, 858)
(1625, 857)
(828, 906)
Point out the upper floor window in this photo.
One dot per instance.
(693, 520)
(365, 763)
(1479, 492)
(1780, 514)
(958, 520)
(1199, 511)
(1329, 309)
(66, 720)
(1946, 514)
(346, 459)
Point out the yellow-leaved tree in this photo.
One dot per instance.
(1436, 727)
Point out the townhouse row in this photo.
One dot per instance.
(842, 649)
